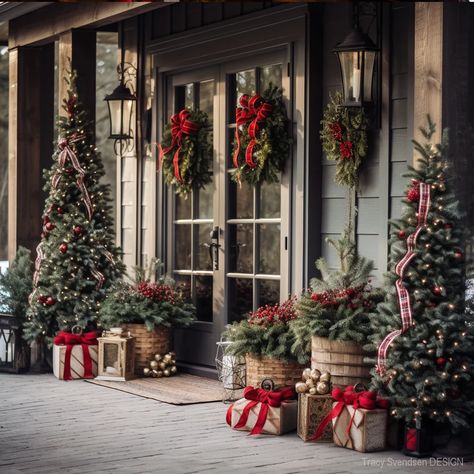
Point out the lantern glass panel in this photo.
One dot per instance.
(127, 116)
(351, 75)
(111, 359)
(115, 110)
(369, 62)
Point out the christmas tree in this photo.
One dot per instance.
(422, 331)
(76, 259)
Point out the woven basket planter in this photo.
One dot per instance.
(282, 373)
(343, 359)
(148, 343)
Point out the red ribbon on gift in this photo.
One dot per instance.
(180, 125)
(367, 399)
(266, 399)
(70, 340)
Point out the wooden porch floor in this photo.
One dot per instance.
(49, 426)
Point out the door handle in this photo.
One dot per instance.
(214, 248)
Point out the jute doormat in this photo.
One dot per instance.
(182, 389)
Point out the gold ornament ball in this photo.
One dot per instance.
(173, 369)
(325, 377)
(322, 388)
(310, 383)
(306, 374)
(157, 357)
(160, 373)
(146, 372)
(313, 391)
(167, 357)
(154, 373)
(301, 387)
(173, 361)
(162, 365)
(315, 375)
(166, 373)
(153, 365)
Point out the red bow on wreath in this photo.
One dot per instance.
(70, 340)
(366, 399)
(253, 109)
(180, 125)
(266, 399)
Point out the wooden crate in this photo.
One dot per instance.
(312, 409)
(343, 359)
(282, 373)
(147, 344)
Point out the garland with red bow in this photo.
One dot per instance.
(185, 153)
(350, 397)
(262, 144)
(266, 399)
(344, 139)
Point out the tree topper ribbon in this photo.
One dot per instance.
(266, 399)
(180, 125)
(349, 396)
(66, 153)
(403, 296)
(70, 340)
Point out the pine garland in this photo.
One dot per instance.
(272, 142)
(344, 139)
(193, 152)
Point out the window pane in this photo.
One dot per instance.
(268, 292)
(183, 286)
(182, 253)
(269, 260)
(189, 96)
(270, 200)
(240, 200)
(240, 298)
(270, 75)
(182, 208)
(204, 298)
(204, 261)
(205, 197)
(206, 98)
(245, 83)
(241, 248)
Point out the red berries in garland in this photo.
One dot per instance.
(77, 229)
(269, 315)
(63, 247)
(402, 234)
(458, 255)
(49, 226)
(60, 210)
(438, 290)
(50, 301)
(157, 291)
(441, 362)
(413, 195)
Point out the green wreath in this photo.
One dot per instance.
(344, 137)
(261, 145)
(186, 151)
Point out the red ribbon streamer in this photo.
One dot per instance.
(180, 125)
(266, 399)
(70, 340)
(367, 400)
(403, 296)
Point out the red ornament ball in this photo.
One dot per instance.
(49, 226)
(413, 195)
(60, 210)
(50, 301)
(437, 290)
(402, 234)
(63, 247)
(77, 229)
(458, 255)
(440, 361)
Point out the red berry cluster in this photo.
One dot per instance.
(346, 150)
(336, 131)
(158, 292)
(353, 298)
(269, 315)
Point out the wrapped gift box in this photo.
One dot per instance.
(77, 361)
(312, 409)
(279, 420)
(368, 431)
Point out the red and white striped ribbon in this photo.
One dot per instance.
(403, 296)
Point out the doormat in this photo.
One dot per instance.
(182, 389)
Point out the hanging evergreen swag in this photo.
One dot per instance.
(186, 151)
(261, 143)
(344, 137)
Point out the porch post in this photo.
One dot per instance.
(428, 67)
(29, 141)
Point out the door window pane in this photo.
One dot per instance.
(182, 208)
(206, 97)
(240, 298)
(204, 298)
(182, 256)
(240, 200)
(241, 248)
(183, 286)
(268, 292)
(189, 96)
(245, 83)
(205, 197)
(270, 200)
(269, 259)
(204, 261)
(270, 75)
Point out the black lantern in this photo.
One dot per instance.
(357, 54)
(120, 104)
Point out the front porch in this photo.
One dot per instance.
(49, 426)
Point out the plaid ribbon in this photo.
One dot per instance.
(403, 296)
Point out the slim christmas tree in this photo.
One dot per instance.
(76, 259)
(423, 333)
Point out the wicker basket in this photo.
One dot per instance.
(148, 343)
(343, 359)
(282, 373)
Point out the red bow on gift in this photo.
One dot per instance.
(180, 125)
(366, 399)
(70, 340)
(266, 399)
(253, 109)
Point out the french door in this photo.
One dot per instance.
(226, 244)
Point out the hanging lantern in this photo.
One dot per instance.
(357, 55)
(116, 356)
(120, 104)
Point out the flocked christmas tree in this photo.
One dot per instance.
(423, 333)
(76, 259)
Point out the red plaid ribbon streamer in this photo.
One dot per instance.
(403, 296)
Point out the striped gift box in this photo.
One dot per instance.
(77, 361)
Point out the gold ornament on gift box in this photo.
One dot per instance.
(314, 382)
(162, 366)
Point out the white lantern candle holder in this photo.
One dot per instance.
(231, 371)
